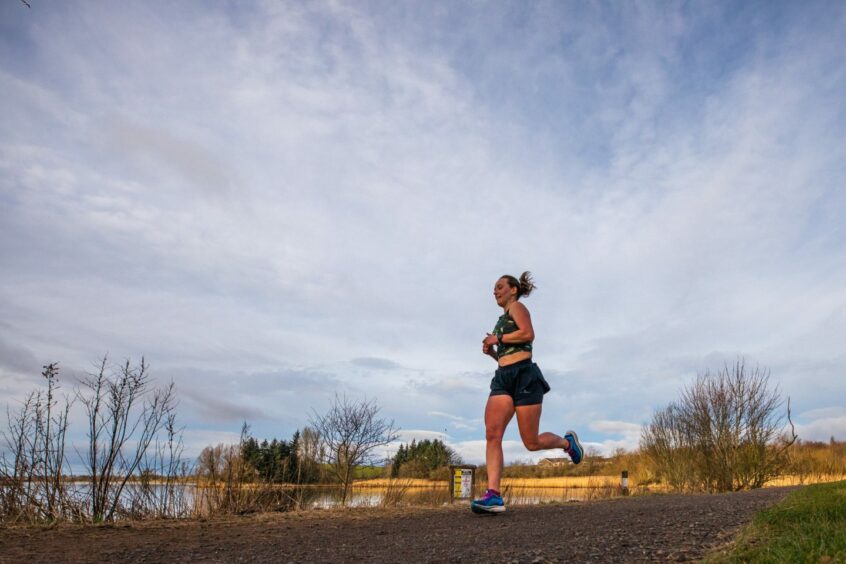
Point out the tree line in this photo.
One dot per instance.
(278, 461)
(426, 459)
(728, 430)
(300, 460)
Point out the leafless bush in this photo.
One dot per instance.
(163, 477)
(726, 432)
(133, 459)
(349, 433)
(226, 478)
(124, 417)
(32, 485)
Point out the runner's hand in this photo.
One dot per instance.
(490, 340)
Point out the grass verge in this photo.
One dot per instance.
(808, 526)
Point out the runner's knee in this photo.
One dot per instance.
(494, 434)
(532, 444)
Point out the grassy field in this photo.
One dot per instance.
(808, 526)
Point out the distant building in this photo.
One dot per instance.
(554, 462)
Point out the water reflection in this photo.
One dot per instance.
(380, 496)
(190, 500)
(327, 497)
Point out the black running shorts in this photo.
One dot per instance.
(523, 381)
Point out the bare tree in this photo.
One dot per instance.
(309, 456)
(210, 463)
(124, 417)
(726, 432)
(349, 434)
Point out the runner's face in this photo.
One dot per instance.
(502, 292)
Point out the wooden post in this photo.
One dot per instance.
(624, 482)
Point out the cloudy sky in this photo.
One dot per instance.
(274, 202)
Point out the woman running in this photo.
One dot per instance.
(517, 387)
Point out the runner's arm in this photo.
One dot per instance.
(525, 333)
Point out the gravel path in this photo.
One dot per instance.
(636, 529)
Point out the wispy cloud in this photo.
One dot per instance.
(823, 429)
(457, 421)
(375, 363)
(290, 200)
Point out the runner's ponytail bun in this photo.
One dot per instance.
(524, 285)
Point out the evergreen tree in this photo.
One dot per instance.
(423, 457)
(279, 461)
(292, 468)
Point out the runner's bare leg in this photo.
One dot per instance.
(498, 412)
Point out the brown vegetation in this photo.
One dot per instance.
(135, 468)
(348, 435)
(725, 433)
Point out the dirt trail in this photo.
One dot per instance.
(637, 529)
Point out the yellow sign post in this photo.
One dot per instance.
(463, 482)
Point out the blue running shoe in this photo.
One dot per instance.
(491, 502)
(575, 451)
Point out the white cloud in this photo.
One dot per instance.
(457, 421)
(297, 199)
(823, 429)
(628, 430)
(824, 413)
(195, 440)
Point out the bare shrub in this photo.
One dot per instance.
(124, 416)
(164, 475)
(666, 443)
(349, 433)
(726, 432)
(32, 478)
(133, 455)
(226, 479)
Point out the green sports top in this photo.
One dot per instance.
(504, 325)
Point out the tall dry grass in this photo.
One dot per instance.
(817, 462)
(601, 481)
(397, 483)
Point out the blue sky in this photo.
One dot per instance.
(275, 202)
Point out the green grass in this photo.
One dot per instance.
(808, 526)
(368, 472)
